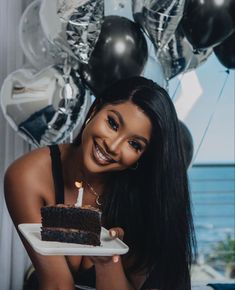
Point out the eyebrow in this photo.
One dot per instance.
(122, 123)
(118, 115)
(142, 138)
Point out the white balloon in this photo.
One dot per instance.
(36, 106)
(39, 51)
(52, 26)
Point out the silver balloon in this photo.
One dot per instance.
(138, 6)
(84, 27)
(159, 19)
(73, 25)
(36, 47)
(178, 56)
(46, 107)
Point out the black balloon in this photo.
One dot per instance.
(225, 52)
(120, 52)
(187, 143)
(207, 23)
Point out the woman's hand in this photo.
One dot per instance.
(110, 273)
(114, 233)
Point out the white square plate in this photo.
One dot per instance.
(108, 247)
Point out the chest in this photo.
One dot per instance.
(54, 193)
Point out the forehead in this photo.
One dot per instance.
(135, 120)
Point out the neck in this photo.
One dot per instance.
(78, 172)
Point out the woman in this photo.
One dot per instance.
(129, 155)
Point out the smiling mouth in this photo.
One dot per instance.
(100, 156)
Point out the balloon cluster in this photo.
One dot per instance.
(185, 33)
(211, 24)
(77, 50)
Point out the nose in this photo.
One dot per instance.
(113, 146)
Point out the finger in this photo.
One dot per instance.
(115, 259)
(101, 260)
(116, 233)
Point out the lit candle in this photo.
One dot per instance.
(80, 194)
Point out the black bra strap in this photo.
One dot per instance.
(57, 173)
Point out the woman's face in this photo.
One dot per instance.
(115, 138)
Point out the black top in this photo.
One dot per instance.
(57, 173)
(84, 277)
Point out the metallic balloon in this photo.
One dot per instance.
(208, 23)
(46, 107)
(138, 7)
(83, 28)
(73, 25)
(159, 19)
(225, 52)
(120, 52)
(36, 47)
(187, 143)
(178, 55)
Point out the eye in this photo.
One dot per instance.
(112, 123)
(136, 145)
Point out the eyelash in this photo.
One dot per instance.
(112, 123)
(114, 126)
(136, 145)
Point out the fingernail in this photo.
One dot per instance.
(115, 259)
(113, 233)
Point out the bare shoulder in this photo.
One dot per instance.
(27, 184)
(31, 167)
(35, 157)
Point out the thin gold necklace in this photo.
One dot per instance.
(95, 193)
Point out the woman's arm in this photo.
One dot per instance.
(110, 274)
(24, 197)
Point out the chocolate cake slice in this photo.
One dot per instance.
(70, 224)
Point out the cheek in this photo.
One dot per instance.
(97, 126)
(94, 129)
(129, 156)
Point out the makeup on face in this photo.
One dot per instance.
(116, 137)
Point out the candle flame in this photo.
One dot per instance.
(78, 184)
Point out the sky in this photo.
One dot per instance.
(196, 102)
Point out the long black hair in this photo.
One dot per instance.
(152, 203)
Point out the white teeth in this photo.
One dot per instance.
(101, 155)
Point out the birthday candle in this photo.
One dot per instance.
(80, 194)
